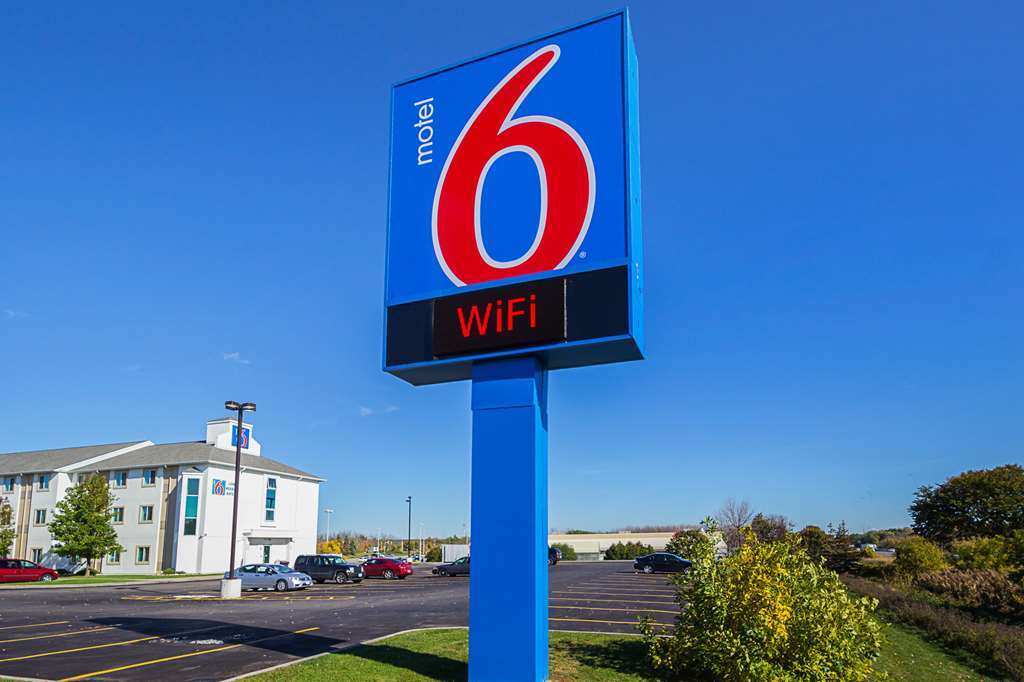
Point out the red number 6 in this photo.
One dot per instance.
(564, 168)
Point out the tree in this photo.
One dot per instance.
(770, 528)
(81, 525)
(568, 551)
(732, 518)
(981, 503)
(629, 550)
(7, 530)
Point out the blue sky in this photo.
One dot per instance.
(192, 207)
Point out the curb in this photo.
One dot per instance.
(154, 581)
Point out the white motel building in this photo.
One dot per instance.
(173, 502)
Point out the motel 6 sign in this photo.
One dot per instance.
(514, 208)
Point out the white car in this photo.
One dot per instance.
(271, 577)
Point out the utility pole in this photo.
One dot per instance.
(328, 512)
(232, 587)
(408, 536)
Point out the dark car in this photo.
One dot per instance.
(554, 555)
(329, 568)
(661, 562)
(387, 568)
(457, 567)
(19, 570)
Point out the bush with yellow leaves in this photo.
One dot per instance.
(767, 612)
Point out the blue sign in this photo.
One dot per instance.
(234, 436)
(222, 487)
(516, 167)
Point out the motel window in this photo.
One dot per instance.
(146, 513)
(149, 477)
(120, 479)
(40, 518)
(37, 554)
(43, 481)
(9, 484)
(271, 504)
(191, 505)
(117, 514)
(114, 557)
(142, 554)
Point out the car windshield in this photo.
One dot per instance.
(284, 569)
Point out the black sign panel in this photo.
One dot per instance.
(527, 314)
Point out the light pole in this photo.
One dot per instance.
(233, 589)
(408, 536)
(328, 512)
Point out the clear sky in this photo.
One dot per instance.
(192, 209)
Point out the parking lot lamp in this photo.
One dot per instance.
(408, 536)
(240, 408)
(328, 512)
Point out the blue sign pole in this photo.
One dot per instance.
(508, 612)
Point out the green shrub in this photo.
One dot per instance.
(982, 553)
(685, 542)
(915, 556)
(434, 554)
(868, 553)
(568, 553)
(767, 612)
(629, 550)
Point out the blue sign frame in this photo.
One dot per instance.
(592, 88)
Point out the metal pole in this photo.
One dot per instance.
(234, 513)
(408, 536)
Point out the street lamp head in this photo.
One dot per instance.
(231, 405)
(409, 499)
(249, 407)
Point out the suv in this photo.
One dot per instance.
(329, 568)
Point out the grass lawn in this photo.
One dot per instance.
(906, 657)
(441, 655)
(100, 579)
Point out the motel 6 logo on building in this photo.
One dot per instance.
(512, 165)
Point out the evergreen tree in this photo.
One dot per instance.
(7, 530)
(81, 523)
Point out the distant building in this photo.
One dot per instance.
(173, 502)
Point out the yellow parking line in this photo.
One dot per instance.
(181, 656)
(622, 587)
(602, 608)
(613, 601)
(104, 646)
(60, 634)
(34, 625)
(612, 622)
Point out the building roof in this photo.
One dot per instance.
(50, 460)
(193, 452)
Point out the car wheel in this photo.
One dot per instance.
(46, 577)
(339, 578)
(648, 569)
(281, 586)
(443, 573)
(389, 574)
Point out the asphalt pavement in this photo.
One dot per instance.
(187, 633)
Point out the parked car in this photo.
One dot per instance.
(271, 577)
(457, 567)
(661, 562)
(329, 568)
(383, 567)
(554, 555)
(20, 570)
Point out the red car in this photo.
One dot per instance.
(19, 570)
(381, 567)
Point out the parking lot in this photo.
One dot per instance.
(186, 632)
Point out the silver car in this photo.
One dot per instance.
(271, 577)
